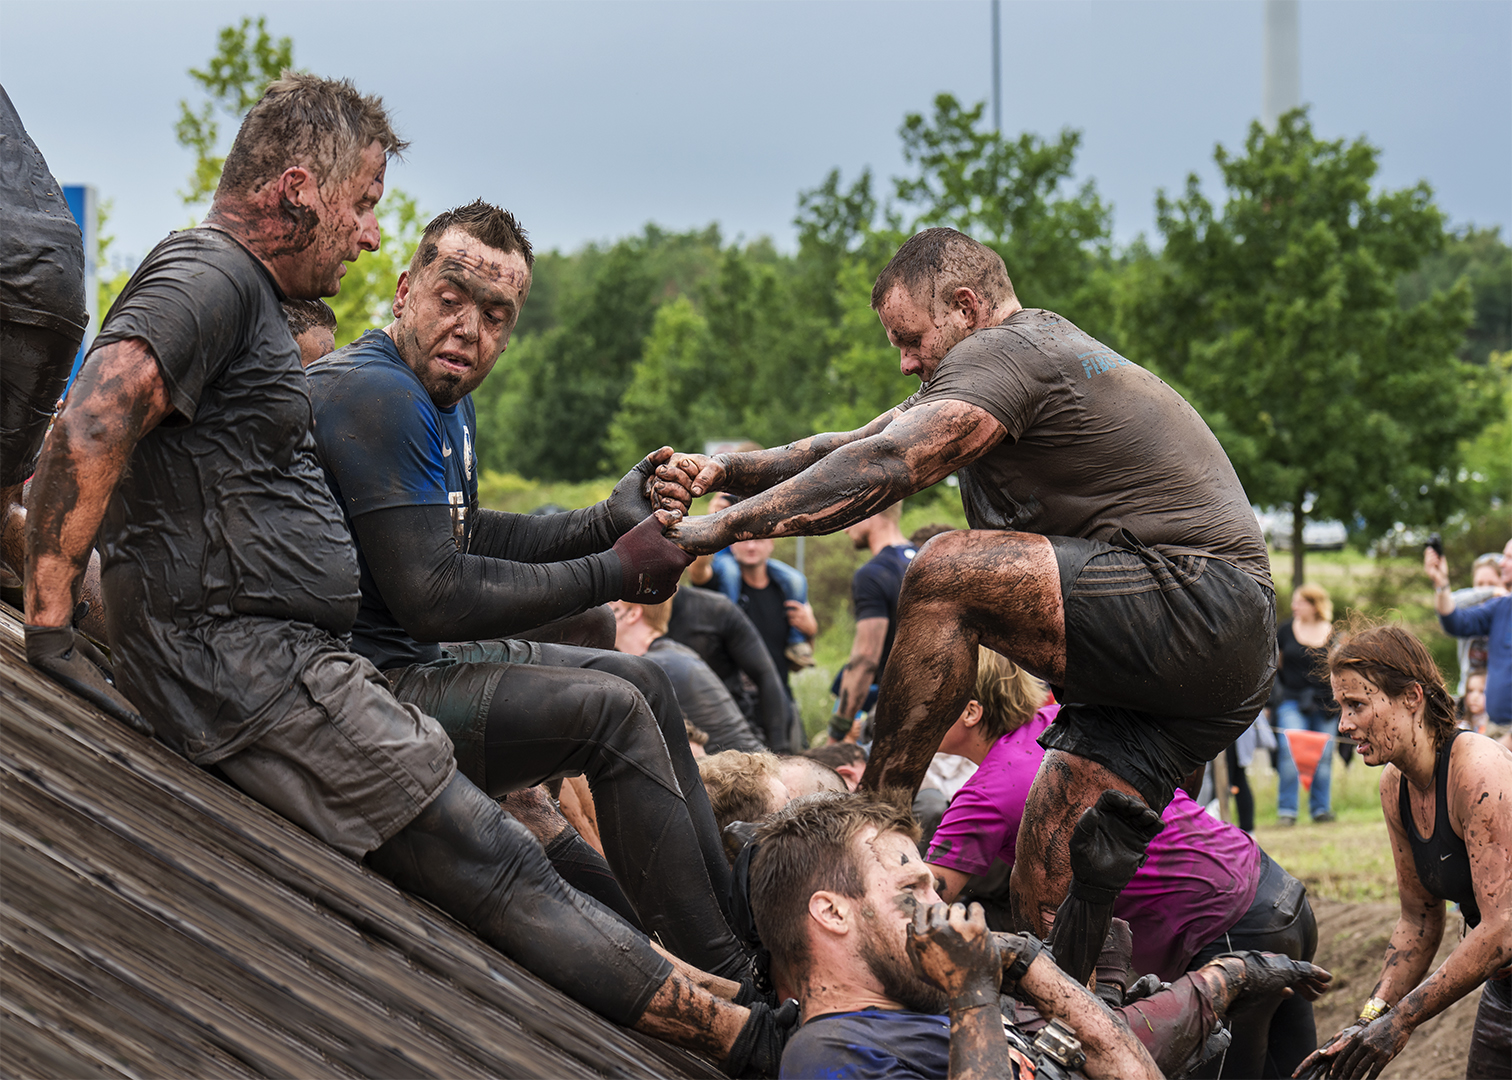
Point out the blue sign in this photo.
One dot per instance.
(81, 203)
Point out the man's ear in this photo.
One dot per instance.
(298, 185)
(401, 292)
(831, 911)
(969, 304)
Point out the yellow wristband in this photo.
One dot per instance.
(1374, 1009)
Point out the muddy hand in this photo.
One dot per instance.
(953, 949)
(697, 535)
(634, 498)
(695, 474)
(1372, 1049)
(650, 564)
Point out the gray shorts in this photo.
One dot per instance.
(1169, 657)
(348, 762)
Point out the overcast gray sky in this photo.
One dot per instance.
(591, 119)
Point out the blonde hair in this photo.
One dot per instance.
(657, 616)
(739, 789)
(1008, 694)
(1318, 597)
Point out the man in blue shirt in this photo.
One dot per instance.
(1491, 620)
(874, 600)
(396, 432)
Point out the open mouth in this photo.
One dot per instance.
(453, 364)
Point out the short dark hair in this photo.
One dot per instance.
(484, 222)
(809, 846)
(944, 260)
(307, 314)
(302, 119)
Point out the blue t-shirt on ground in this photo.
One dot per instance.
(384, 443)
(872, 1043)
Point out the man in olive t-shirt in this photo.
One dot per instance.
(1112, 551)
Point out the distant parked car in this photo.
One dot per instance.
(1316, 535)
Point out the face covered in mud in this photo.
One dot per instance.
(922, 330)
(332, 224)
(453, 317)
(1379, 724)
(898, 883)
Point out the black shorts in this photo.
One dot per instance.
(1168, 659)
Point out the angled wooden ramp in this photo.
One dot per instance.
(154, 922)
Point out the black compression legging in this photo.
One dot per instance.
(522, 713)
(483, 867)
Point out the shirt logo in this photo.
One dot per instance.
(1099, 360)
(445, 450)
(467, 454)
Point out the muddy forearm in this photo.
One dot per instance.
(849, 485)
(68, 496)
(756, 470)
(1110, 1048)
(1409, 955)
(1483, 951)
(978, 1047)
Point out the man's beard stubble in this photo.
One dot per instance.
(897, 978)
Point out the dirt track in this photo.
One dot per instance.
(1351, 944)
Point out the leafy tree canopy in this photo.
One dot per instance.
(1279, 316)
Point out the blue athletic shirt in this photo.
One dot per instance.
(875, 588)
(880, 1043)
(384, 443)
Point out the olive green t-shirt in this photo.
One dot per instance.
(1095, 444)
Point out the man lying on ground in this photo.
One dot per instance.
(231, 584)
(849, 911)
(396, 431)
(1112, 552)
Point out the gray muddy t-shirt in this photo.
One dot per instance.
(1095, 444)
(227, 564)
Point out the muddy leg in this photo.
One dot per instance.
(999, 589)
(1065, 786)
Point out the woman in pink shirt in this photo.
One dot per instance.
(1205, 887)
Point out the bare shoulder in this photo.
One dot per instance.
(1480, 780)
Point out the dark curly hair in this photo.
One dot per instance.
(1393, 660)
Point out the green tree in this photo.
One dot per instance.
(1279, 317)
(247, 58)
(1484, 261)
(1014, 195)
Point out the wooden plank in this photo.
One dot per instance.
(315, 959)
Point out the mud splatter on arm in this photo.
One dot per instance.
(1480, 812)
(1420, 927)
(855, 480)
(118, 397)
(1111, 1048)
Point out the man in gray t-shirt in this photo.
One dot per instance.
(1112, 550)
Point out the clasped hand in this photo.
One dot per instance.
(952, 948)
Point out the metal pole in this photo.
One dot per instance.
(997, 68)
(1283, 74)
(799, 558)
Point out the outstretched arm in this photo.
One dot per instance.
(118, 398)
(854, 481)
(687, 476)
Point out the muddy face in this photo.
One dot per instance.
(898, 884)
(921, 336)
(1380, 724)
(452, 318)
(336, 225)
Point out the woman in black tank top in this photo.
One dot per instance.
(1447, 799)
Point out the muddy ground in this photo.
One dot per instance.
(1351, 944)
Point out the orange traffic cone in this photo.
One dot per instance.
(1307, 749)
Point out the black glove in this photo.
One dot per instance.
(1108, 846)
(1143, 987)
(757, 1050)
(650, 564)
(68, 658)
(1268, 973)
(628, 504)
